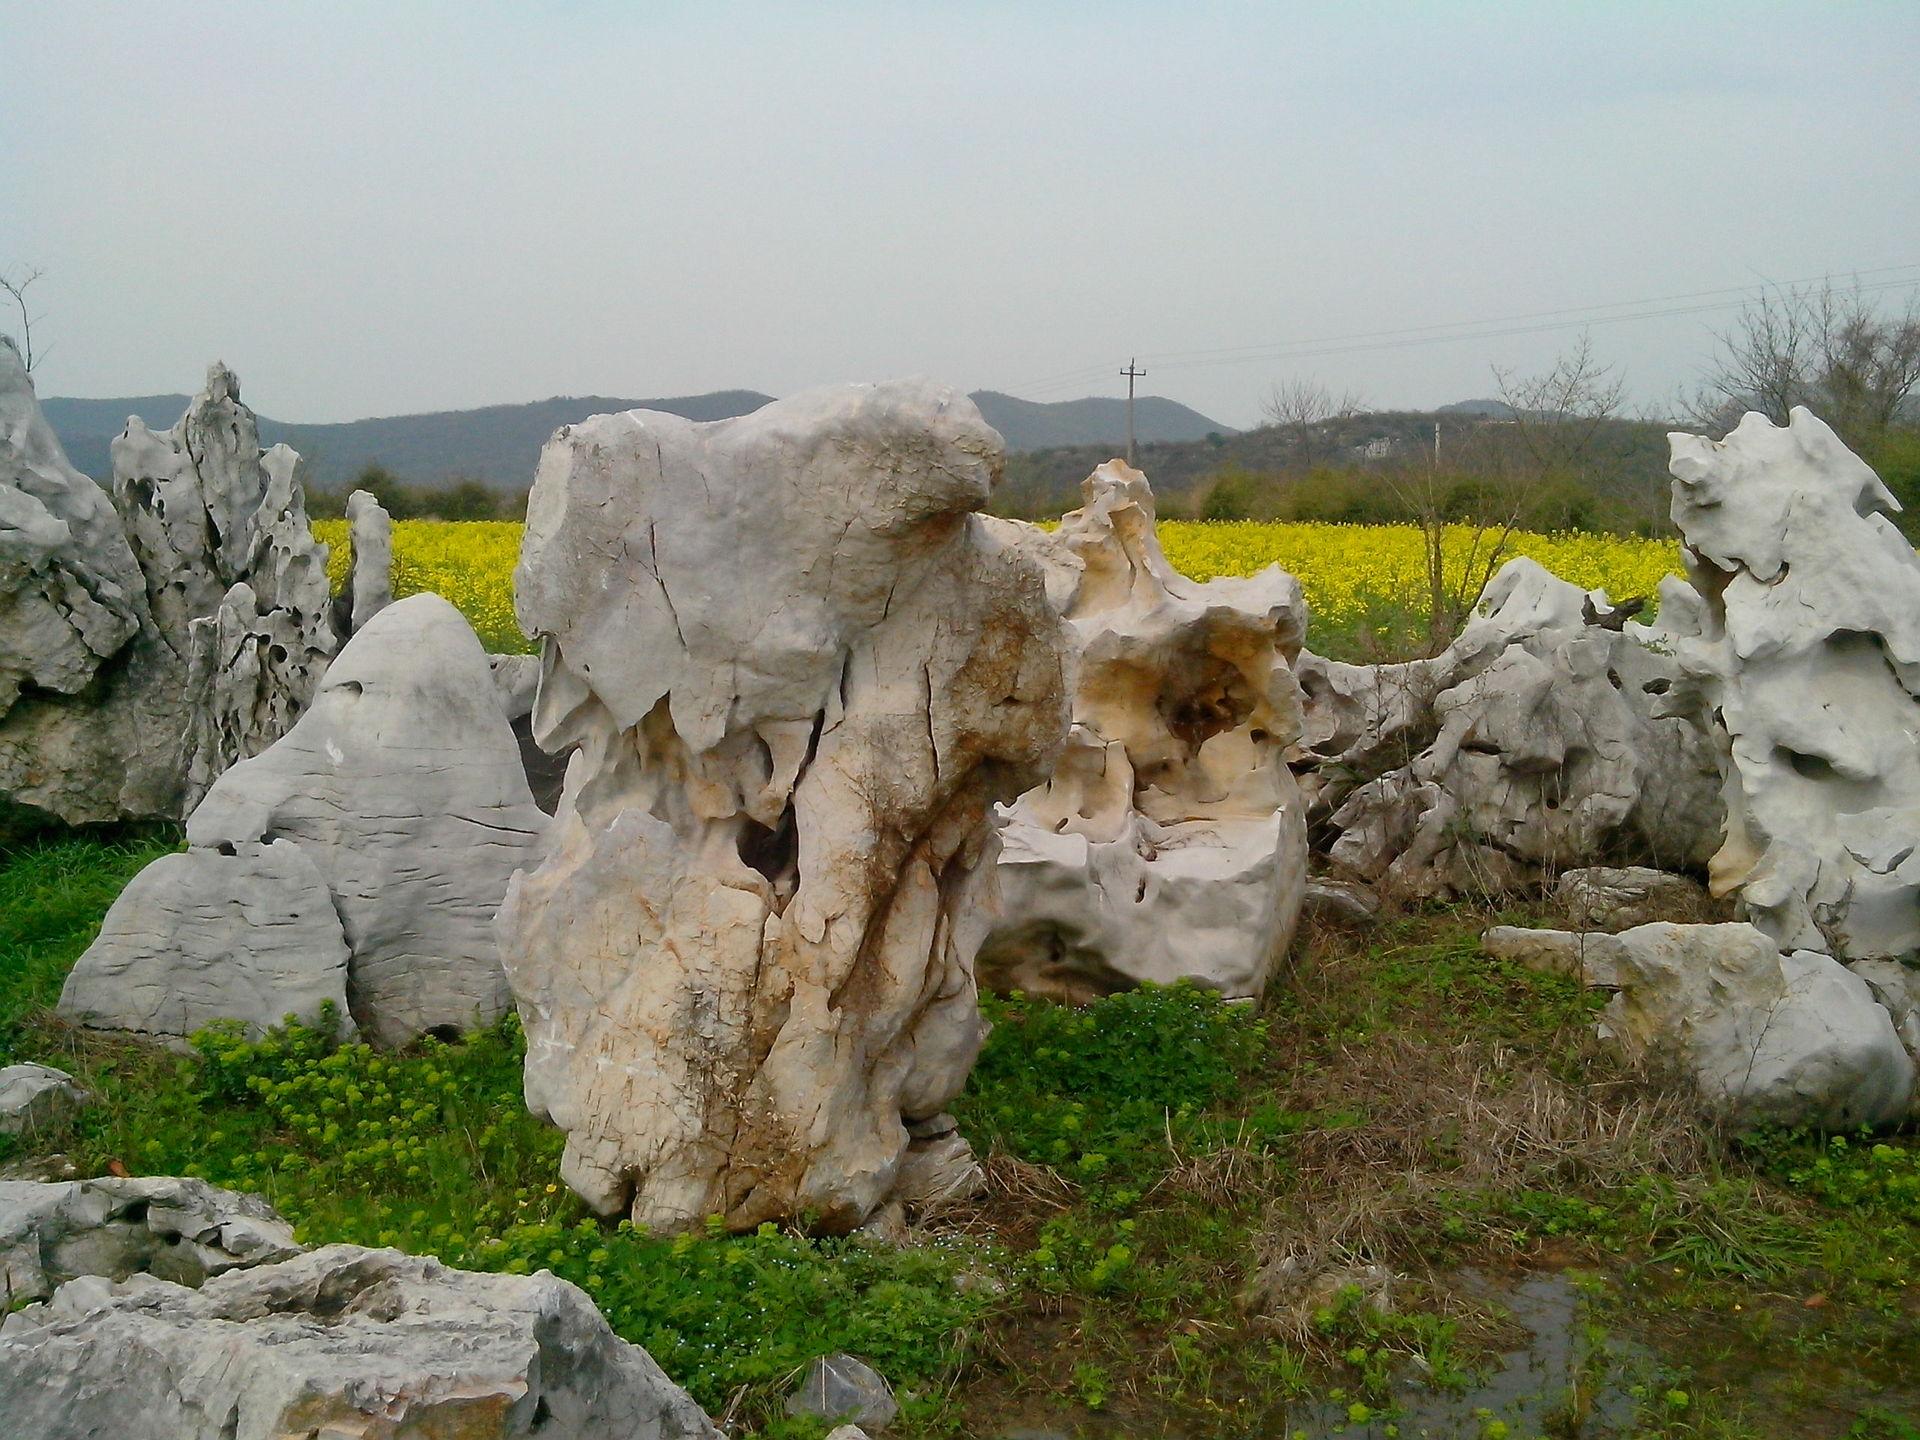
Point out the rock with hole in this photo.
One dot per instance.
(797, 669)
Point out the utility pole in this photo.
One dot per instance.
(1133, 373)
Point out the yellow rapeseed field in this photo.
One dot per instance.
(1356, 577)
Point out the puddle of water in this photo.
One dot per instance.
(1559, 1382)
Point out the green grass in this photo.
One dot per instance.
(1400, 1100)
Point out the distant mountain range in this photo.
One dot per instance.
(499, 444)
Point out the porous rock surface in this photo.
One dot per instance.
(1531, 744)
(1798, 634)
(152, 640)
(359, 859)
(1170, 842)
(341, 1341)
(179, 1229)
(798, 670)
(1795, 1039)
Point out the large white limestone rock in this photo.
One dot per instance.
(1534, 743)
(360, 859)
(1799, 639)
(143, 651)
(1794, 1039)
(341, 1342)
(371, 582)
(1170, 842)
(179, 1229)
(798, 671)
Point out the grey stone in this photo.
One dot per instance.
(36, 1097)
(1340, 900)
(145, 650)
(1535, 742)
(371, 580)
(1794, 1039)
(341, 1341)
(179, 1229)
(1621, 897)
(247, 932)
(840, 1387)
(798, 669)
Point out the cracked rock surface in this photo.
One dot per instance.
(1170, 842)
(150, 641)
(340, 1341)
(177, 1228)
(1535, 742)
(359, 859)
(33, 1097)
(1799, 634)
(798, 670)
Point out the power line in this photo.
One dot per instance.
(1495, 327)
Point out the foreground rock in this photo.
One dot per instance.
(798, 671)
(1170, 842)
(36, 1097)
(1794, 1039)
(337, 1342)
(178, 1229)
(359, 860)
(146, 650)
(370, 584)
(842, 1387)
(1800, 634)
(1531, 745)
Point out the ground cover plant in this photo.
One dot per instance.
(1346, 1212)
(1364, 583)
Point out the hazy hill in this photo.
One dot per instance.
(1034, 425)
(499, 444)
(1629, 458)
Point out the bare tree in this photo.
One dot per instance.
(1468, 514)
(1851, 363)
(16, 284)
(1301, 407)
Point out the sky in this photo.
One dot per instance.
(371, 209)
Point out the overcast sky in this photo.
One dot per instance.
(379, 208)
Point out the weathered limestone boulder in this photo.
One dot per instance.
(35, 1097)
(798, 670)
(844, 1387)
(516, 681)
(371, 583)
(1608, 897)
(340, 1341)
(202, 603)
(248, 932)
(179, 1229)
(1170, 842)
(1795, 1039)
(1799, 638)
(69, 587)
(1530, 745)
(360, 859)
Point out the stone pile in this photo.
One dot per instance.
(1170, 841)
(1536, 742)
(339, 1341)
(798, 670)
(357, 862)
